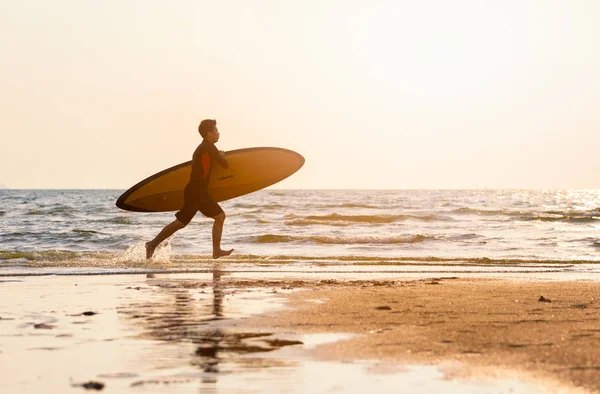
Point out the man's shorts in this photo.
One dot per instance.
(192, 204)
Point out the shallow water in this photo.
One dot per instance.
(133, 261)
(187, 334)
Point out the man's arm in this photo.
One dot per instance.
(219, 157)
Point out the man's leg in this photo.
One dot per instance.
(165, 233)
(217, 231)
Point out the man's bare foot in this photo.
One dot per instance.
(149, 250)
(222, 253)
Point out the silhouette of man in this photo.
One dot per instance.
(196, 196)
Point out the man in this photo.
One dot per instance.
(196, 196)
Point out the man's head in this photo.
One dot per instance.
(208, 130)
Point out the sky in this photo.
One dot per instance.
(375, 94)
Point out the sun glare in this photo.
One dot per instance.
(414, 47)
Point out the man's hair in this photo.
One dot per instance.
(205, 126)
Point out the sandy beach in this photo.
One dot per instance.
(223, 330)
(546, 329)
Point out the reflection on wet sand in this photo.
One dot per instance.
(180, 313)
(184, 333)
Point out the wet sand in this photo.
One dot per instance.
(541, 330)
(219, 331)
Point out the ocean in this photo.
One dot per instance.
(44, 231)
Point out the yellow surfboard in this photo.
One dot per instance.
(249, 170)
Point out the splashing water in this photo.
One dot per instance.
(137, 254)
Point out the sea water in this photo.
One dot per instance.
(491, 227)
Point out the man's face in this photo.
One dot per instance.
(213, 135)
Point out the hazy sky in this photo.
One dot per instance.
(374, 94)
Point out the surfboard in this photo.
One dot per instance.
(249, 170)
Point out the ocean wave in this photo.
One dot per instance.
(119, 220)
(90, 232)
(490, 212)
(51, 212)
(113, 258)
(361, 240)
(75, 239)
(357, 218)
(563, 217)
(308, 222)
(245, 215)
(48, 255)
(572, 216)
(259, 207)
(336, 219)
(346, 205)
(464, 237)
(245, 205)
(134, 259)
(60, 210)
